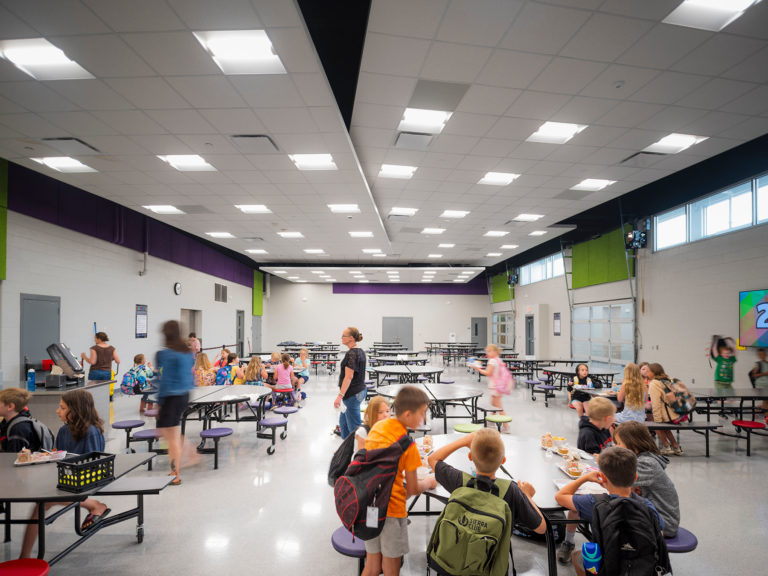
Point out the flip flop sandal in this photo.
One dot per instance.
(92, 519)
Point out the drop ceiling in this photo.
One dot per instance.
(513, 65)
(375, 274)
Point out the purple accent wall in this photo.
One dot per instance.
(42, 197)
(475, 287)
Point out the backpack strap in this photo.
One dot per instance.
(404, 441)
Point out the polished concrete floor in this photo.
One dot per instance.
(261, 514)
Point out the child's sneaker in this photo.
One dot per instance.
(668, 451)
(678, 451)
(564, 552)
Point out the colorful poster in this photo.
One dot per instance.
(753, 318)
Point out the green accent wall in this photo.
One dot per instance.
(601, 260)
(3, 215)
(500, 290)
(258, 293)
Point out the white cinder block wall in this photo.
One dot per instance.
(313, 312)
(99, 282)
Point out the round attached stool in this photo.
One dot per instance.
(467, 428)
(370, 382)
(271, 425)
(34, 567)
(421, 379)
(128, 425)
(151, 413)
(148, 435)
(547, 389)
(447, 381)
(215, 434)
(285, 410)
(499, 420)
(529, 382)
(391, 379)
(684, 541)
(748, 426)
(345, 543)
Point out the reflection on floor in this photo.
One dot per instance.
(263, 514)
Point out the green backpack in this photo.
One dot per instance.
(472, 534)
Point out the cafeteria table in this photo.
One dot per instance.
(442, 396)
(408, 373)
(381, 359)
(565, 372)
(715, 399)
(208, 400)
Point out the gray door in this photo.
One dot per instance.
(529, 336)
(40, 323)
(480, 332)
(240, 332)
(256, 334)
(398, 329)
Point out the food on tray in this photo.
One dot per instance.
(562, 450)
(546, 440)
(24, 456)
(574, 468)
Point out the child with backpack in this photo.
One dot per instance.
(626, 526)
(136, 381)
(660, 384)
(499, 379)
(487, 494)
(385, 551)
(652, 480)
(595, 429)
(759, 374)
(18, 430)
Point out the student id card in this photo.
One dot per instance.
(372, 517)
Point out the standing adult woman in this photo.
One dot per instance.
(175, 366)
(101, 357)
(352, 389)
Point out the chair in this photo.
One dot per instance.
(748, 426)
(466, 427)
(272, 424)
(345, 543)
(215, 434)
(30, 567)
(499, 420)
(684, 541)
(128, 425)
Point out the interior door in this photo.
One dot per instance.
(529, 336)
(398, 329)
(479, 332)
(40, 327)
(240, 332)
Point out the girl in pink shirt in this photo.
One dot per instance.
(284, 372)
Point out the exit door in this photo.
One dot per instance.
(529, 336)
(240, 332)
(479, 334)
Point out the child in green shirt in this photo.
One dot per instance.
(723, 352)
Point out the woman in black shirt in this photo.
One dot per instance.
(352, 389)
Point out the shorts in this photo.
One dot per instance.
(723, 385)
(171, 409)
(99, 374)
(305, 378)
(393, 540)
(579, 396)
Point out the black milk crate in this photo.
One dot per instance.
(86, 471)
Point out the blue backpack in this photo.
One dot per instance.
(224, 376)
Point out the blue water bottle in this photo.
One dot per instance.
(593, 559)
(31, 379)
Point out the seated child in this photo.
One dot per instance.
(486, 451)
(255, 373)
(142, 372)
(221, 359)
(618, 470)
(283, 379)
(594, 430)
(237, 374)
(576, 396)
(82, 432)
(632, 394)
(387, 549)
(274, 360)
(652, 480)
(205, 373)
(301, 368)
(377, 410)
(760, 374)
(15, 436)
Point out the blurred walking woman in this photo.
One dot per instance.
(351, 382)
(175, 366)
(101, 357)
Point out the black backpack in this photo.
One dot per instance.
(43, 433)
(341, 458)
(368, 482)
(630, 538)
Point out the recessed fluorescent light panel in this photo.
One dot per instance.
(42, 60)
(361, 234)
(241, 51)
(434, 255)
(674, 143)
(528, 217)
(64, 164)
(498, 178)
(711, 15)
(424, 121)
(454, 213)
(253, 208)
(256, 251)
(317, 272)
(371, 250)
(538, 233)
(164, 209)
(593, 184)
(508, 246)
(446, 245)
(399, 211)
(313, 161)
(493, 254)
(314, 251)
(291, 234)
(188, 163)
(396, 171)
(496, 233)
(433, 230)
(379, 255)
(344, 208)
(219, 234)
(293, 277)
(555, 132)
(458, 280)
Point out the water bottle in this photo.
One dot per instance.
(593, 559)
(31, 379)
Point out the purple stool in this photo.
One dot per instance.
(128, 425)
(447, 381)
(216, 434)
(370, 382)
(149, 435)
(531, 383)
(685, 541)
(272, 424)
(151, 413)
(345, 543)
(546, 389)
(285, 410)
(391, 379)
(421, 379)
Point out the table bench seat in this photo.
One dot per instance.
(700, 428)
